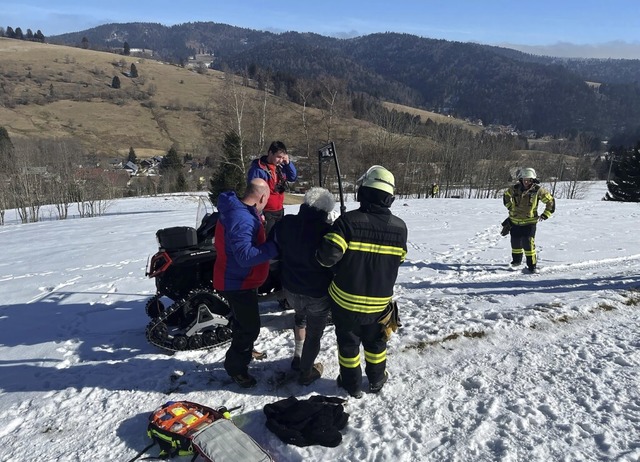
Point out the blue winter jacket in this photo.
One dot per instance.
(242, 260)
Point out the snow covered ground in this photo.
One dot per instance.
(490, 365)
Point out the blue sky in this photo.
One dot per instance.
(541, 22)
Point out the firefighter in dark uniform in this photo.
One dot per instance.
(522, 200)
(365, 247)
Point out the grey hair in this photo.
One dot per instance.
(320, 198)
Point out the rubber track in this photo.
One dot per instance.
(172, 309)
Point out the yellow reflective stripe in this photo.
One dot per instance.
(376, 248)
(375, 358)
(356, 302)
(349, 363)
(337, 240)
(523, 221)
(517, 251)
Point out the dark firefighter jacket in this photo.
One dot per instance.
(523, 204)
(365, 247)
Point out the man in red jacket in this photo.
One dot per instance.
(242, 265)
(276, 169)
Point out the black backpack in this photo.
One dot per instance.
(317, 420)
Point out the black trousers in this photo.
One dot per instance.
(351, 331)
(246, 327)
(523, 243)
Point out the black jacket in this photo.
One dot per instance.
(365, 247)
(298, 237)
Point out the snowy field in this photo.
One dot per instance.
(490, 365)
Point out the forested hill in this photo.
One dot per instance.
(496, 85)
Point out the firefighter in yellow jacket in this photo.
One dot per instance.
(365, 248)
(522, 200)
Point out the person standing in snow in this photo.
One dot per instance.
(241, 266)
(522, 200)
(276, 169)
(365, 248)
(304, 280)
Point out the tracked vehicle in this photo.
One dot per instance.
(196, 316)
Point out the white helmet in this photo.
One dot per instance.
(527, 173)
(378, 177)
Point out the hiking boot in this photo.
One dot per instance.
(310, 376)
(245, 380)
(515, 263)
(357, 394)
(532, 269)
(376, 387)
(295, 363)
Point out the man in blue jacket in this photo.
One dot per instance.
(276, 169)
(242, 265)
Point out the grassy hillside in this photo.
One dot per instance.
(437, 118)
(58, 92)
(55, 91)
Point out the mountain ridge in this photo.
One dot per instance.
(468, 80)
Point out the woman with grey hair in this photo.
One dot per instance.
(304, 280)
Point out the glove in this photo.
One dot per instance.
(542, 217)
(390, 320)
(506, 227)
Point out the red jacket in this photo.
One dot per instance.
(276, 177)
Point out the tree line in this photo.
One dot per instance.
(38, 172)
(17, 34)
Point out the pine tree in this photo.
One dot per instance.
(126, 49)
(171, 161)
(625, 185)
(230, 174)
(6, 150)
(132, 156)
(115, 83)
(134, 71)
(181, 182)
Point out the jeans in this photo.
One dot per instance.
(310, 313)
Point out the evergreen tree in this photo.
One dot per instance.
(115, 83)
(6, 150)
(181, 182)
(132, 156)
(625, 185)
(134, 71)
(39, 36)
(18, 34)
(126, 49)
(84, 43)
(230, 174)
(171, 161)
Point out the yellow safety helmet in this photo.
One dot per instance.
(378, 177)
